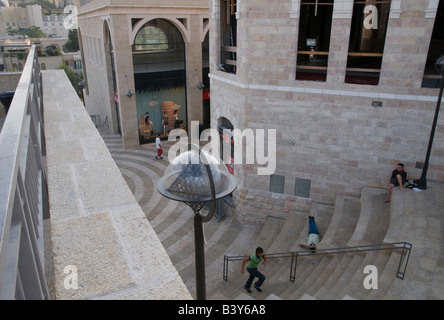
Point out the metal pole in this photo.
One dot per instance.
(422, 183)
(200, 258)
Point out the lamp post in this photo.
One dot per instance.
(422, 183)
(194, 178)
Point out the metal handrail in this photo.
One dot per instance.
(405, 248)
(23, 190)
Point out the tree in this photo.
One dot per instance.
(11, 31)
(72, 45)
(73, 77)
(35, 32)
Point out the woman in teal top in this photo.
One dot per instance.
(252, 264)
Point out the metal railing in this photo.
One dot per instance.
(404, 247)
(23, 190)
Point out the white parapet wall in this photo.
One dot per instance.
(102, 245)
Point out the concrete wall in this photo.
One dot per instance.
(342, 142)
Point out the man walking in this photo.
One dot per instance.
(252, 264)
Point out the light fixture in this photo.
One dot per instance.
(129, 94)
(196, 177)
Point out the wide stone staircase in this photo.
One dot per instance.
(414, 217)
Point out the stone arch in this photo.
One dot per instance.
(178, 24)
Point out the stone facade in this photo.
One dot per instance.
(327, 132)
(102, 23)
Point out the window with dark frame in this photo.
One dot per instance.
(228, 36)
(277, 184)
(314, 39)
(432, 78)
(367, 40)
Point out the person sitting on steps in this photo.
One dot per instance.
(398, 178)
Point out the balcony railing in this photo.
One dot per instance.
(23, 190)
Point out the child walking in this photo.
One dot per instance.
(252, 264)
(159, 147)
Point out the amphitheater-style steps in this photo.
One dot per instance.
(411, 216)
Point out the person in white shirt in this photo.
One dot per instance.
(313, 236)
(159, 147)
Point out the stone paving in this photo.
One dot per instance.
(411, 216)
(173, 221)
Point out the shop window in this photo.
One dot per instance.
(228, 21)
(227, 144)
(367, 40)
(314, 39)
(432, 77)
(160, 79)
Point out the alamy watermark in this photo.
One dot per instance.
(71, 280)
(260, 146)
(371, 281)
(70, 21)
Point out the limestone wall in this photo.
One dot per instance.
(102, 245)
(341, 141)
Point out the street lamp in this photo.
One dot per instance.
(195, 177)
(422, 183)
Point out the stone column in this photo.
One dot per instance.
(193, 52)
(340, 36)
(125, 81)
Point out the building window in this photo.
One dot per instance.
(432, 77)
(302, 188)
(277, 183)
(228, 36)
(160, 79)
(314, 39)
(367, 40)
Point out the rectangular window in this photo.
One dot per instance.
(367, 40)
(277, 183)
(432, 77)
(314, 39)
(228, 36)
(302, 188)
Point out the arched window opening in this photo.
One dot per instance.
(160, 79)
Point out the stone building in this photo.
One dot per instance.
(145, 57)
(349, 86)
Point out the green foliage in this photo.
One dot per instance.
(72, 45)
(35, 32)
(74, 78)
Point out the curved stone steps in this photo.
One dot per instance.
(412, 215)
(344, 220)
(373, 220)
(327, 278)
(306, 275)
(355, 287)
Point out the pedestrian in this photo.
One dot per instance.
(252, 264)
(313, 236)
(159, 147)
(398, 178)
